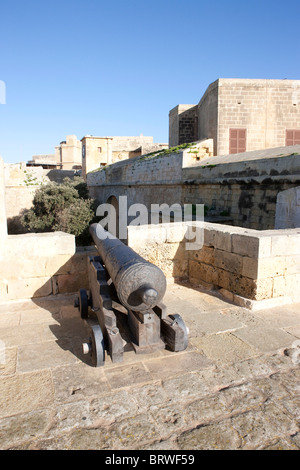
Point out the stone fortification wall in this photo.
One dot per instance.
(143, 180)
(38, 265)
(250, 268)
(288, 209)
(243, 187)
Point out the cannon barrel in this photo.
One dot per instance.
(140, 285)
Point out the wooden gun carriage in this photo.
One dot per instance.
(120, 277)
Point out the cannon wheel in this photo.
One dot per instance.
(179, 320)
(83, 303)
(97, 347)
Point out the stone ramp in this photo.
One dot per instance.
(236, 386)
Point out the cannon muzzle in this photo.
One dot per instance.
(140, 285)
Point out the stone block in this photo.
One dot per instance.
(39, 244)
(293, 264)
(23, 393)
(180, 269)
(250, 267)
(264, 289)
(293, 286)
(171, 251)
(194, 236)
(22, 267)
(69, 283)
(203, 272)
(285, 245)
(237, 284)
(175, 232)
(273, 266)
(27, 288)
(138, 235)
(228, 261)
(223, 240)
(205, 255)
(60, 264)
(209, 235)
(279, 286)
(265, 244)
(245, 245)
(224, 279)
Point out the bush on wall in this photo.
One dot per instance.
(62, 207)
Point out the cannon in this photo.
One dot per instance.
(123, 306)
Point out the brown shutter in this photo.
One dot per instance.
(292, 137)
(296, 137)
(237, 140)
(289, 137)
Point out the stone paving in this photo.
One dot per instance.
(236, 386)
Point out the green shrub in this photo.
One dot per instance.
(62, 207)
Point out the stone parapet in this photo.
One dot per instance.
(42, 264)
(252, 268)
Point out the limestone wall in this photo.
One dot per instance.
(288, 209)
(208, 115)
(265, 108)
(38, 265)
(251, 268)
(243, 187)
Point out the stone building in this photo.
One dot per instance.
(67, 156)
(240, 115)
(101, 151)
(92, 152)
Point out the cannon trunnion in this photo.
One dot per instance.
(123, 307)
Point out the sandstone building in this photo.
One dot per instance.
(102, 151)
(240, 115)
(92, 152)
(67, 156)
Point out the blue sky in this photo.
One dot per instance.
(118, 67)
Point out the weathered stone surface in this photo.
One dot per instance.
(265, 340)
(73, 382)
(25, 392)
(131, 432)
(177, 364)
(23, 427)
(112, 406)
(219, 393)
(45, 355)
(119, 376)
(224, 348)
(265, 424)
(8, 362)
(220, 436)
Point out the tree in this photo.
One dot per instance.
(62, 207)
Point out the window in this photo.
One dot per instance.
(237, 140)
(292, 137)
(99, 149)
